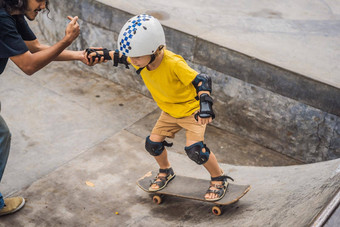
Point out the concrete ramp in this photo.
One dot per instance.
(76, 155)
(89, 190)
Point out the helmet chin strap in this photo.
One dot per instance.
(153, 57)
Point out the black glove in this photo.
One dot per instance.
(105, 54)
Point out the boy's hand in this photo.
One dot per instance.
(206, 114)
(204, 121)
(90, 61)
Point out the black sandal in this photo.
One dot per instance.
(162, 181)
(220, 188)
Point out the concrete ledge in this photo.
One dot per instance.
(255, 71)
(273, 78)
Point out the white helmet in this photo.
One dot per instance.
(141, 35)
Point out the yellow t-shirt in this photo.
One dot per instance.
(170, 85)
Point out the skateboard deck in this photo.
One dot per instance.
(192, 188)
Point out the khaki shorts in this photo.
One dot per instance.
(168, 126)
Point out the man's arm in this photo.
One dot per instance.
(30, 63)
(67, 55)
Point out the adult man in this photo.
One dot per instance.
(18, 42)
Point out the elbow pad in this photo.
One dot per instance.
(206, 83)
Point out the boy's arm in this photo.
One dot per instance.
(96, 55)
(203, 86)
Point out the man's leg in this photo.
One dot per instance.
(5, 142)
(8, 205)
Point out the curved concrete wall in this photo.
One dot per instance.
(275, 121)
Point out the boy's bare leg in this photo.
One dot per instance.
(215, 171)
(162, 159)
(213, 168)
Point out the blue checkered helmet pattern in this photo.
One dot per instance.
(141, 35)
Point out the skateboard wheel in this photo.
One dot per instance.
(216, 210)
(157, 199)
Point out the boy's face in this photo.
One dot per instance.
(141, 61)
(33, 7)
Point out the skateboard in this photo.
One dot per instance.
(192, 188)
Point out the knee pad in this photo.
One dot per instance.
(195, 152)
(155, 148)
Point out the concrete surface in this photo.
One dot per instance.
(78, 139)
(70, 127)
(271, 106)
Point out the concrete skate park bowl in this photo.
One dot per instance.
(293, 119)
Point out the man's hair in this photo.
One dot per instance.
(20, 5)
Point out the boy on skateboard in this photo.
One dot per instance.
(181, 93)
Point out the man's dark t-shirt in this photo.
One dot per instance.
(13, 31)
